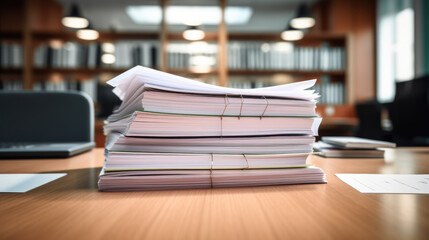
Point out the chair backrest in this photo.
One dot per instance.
(369, 114)
(410, 110)
(33, 116)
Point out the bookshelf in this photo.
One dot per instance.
(35, 28)
(33, 36)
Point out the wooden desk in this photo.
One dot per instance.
(72, 208)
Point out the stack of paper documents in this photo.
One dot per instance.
(175, 133)
(351, 147)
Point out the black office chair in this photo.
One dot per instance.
(369, 114)
(409, 112)
(38, 116)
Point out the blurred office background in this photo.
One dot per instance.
(371, 57)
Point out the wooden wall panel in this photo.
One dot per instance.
(318, 11)
(356, 18)
(363, 79)
(340, 15)
(11, 15)
(47, 15)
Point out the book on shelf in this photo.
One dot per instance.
(11, 55)
(334, 151)
(174, 133)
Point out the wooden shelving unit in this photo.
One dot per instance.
(38, 21)
(11, 35)
(32, 36)
(11, 70)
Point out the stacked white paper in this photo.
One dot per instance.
(175, 133)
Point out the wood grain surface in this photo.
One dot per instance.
(72, 208)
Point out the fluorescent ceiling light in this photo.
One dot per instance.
(292, 35)
(206, 15)
(75, 22)
(237, 15)
(56, 43)
(198, 46)
(108, 58)
(108, 47)
(202, 61)
(74, 19)
(201, 69)
(303, 22)
(87, 34)
(145, 14)
(193, 34)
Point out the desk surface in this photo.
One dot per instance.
(72, 208)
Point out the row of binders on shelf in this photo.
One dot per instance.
(331, 93)
(11, 85)
(248, 84)
(11, 55)
(88, 86)
(122, 54)
(125, 54)
(285, 56)
(191, 55)
(175, 133)
(69, 55)
(132, 53)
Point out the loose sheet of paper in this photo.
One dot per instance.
(20, 183)
(387, 183)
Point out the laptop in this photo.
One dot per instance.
(44, 150)
(45, 124)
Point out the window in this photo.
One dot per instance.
(395, 46)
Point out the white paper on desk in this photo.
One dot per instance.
(387, 183)
(20, 183)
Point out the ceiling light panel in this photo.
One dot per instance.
(205, 15)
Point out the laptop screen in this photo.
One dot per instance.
(36, 117)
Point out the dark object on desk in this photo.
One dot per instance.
(334, 151)
(355, 142)
(369, 114)
(45, 124)
(409, 112)
(107, 100)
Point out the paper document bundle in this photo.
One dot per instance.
(351, 147)
(175, 133)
